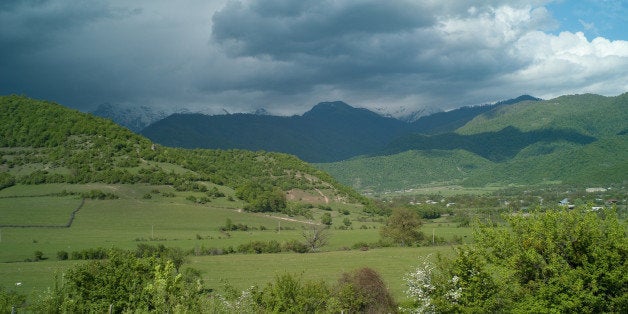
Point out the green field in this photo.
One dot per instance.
(175, 221)
(243, 270)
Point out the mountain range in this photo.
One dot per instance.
(329, 132)
(575, 139)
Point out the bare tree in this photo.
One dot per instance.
(315, 237)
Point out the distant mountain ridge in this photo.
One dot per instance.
(449, 121)
(330, 131)
(133, 118)
(573, 139)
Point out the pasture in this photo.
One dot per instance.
(168, 217)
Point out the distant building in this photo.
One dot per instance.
(565, 203)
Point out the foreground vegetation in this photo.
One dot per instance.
(556, 260)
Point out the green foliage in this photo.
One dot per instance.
(6, 180)
(360, 291)
(564, 260)
(65, 146)
(326, 219)
(124, 282)
(262, 198)
(587, 114)
(347, 222)
(39, 255)
(329, 132)
(11, 301)
(99, 195)
(574, 139)
(403, 227)
(407, 169)
(288, 294)
(364, 291)
(496, 146)
(62, 255)
(553, 261)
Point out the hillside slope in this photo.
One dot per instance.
(588, 114)
(43, 142)
(328, 132)
(449, 121)
(579, 140)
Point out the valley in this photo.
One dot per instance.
(79, 194)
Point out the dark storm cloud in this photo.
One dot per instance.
(26, 26)
(318, 28)
(356, 45)
(288, 55)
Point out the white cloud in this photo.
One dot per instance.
(569, 63)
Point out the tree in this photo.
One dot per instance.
(403, 227)
(554, 261)
(315, 237)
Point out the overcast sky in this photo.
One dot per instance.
(288, 55)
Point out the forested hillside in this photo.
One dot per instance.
(587, 114)
(43, 142)
(449, 121)
(329, 132)
(578, 140)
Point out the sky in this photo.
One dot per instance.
(288, 55)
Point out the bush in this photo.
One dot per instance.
(289, 295)
(564, 261)
(62, 255)
(364, 291)
(295, 246)
(39, 255)
(10, 301)
(127, 283)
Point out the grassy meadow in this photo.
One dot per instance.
(154, 215)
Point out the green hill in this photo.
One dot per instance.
(588, 114)
(577, 140)
(43, 142)
(406, 170)
(330, 131)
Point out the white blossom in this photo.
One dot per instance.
(420, 288)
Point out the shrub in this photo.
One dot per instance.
(62, 255)
(10, 301)
(287, 294)
(364, 291)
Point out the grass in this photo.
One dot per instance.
(177, 222)
(243, 270)
(37, 211)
